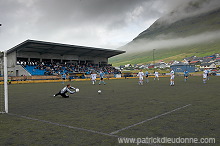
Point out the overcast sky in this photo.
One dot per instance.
(96, 23)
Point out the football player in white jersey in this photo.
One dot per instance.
(93, 77)
(141, 77)
(172, 76)
(205, 75)
(156, 75)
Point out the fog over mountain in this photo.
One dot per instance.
(142, 45)
(189, 8)
(189, 23)
(96, 23)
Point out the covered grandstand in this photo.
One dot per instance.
(33, 57)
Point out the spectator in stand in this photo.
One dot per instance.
(56, 68)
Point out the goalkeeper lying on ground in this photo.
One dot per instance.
(65, 90)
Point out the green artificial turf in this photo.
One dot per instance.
(37, 118)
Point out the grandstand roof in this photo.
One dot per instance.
(57, 48)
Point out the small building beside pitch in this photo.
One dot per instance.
(182, 68)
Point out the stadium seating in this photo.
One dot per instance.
(33, 71)
(40, 68)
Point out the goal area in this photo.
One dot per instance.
(3, 83)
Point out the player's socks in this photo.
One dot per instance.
(139, 82)
(102, 82)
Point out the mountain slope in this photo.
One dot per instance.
(196, 35)
(205, 22)
(176, 53)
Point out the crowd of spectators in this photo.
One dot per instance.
(58, 68)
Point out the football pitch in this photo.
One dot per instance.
(124, 109)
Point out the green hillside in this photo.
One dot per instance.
(176, 53)
(183, 28)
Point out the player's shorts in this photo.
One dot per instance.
(172, 77)
(93, 79)
(186, 76)
(204, 76)
(141, 78)
(146, 76)
(156, 76)
(101, 78)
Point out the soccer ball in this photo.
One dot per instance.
(99, 91)
(77, 90)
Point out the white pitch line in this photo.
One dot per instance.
(63, 125)
(149, 119)
(71, 127)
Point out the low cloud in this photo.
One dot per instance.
(182, 9)
(97, 23)
(176, 10)
(143, 45)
